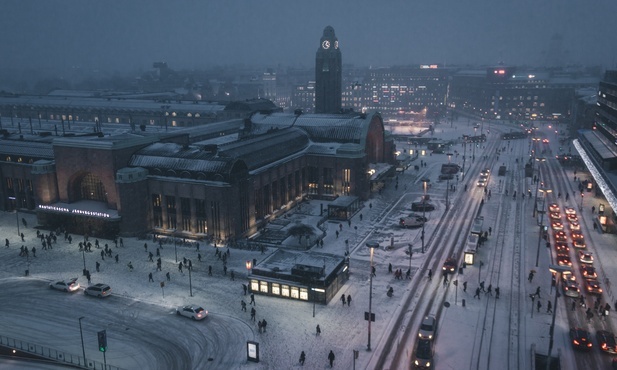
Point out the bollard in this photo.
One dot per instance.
(460, 271)
(27, 272)
(463, 302)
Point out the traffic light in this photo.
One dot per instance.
(102, 340)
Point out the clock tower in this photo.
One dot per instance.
(328, 74)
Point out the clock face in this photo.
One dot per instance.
(325, 44)
(336, 44)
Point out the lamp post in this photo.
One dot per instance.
(448, 184)
(543, 190)
(175, 247)
(559, 270)
(372, 246)
(83, 254)
(535, 204)
(425, 181)
(190, 278)
(249, 265)
(464, 155)
(16, 213)
(410, 253)
(473, 156)
(81, 333)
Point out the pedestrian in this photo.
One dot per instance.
(209, 270)
(538, 292)
(243, 304)
(549, 307)
(130, 266)
(264, 325)
(482, 286)
(158, 252)
(489, 290)
(408, 274)
(349, 300)
(168, 276)
(490, 230)
(259, 325)
(98, 266)
(497, 293)
(33, 251)
(253, 313)
(607, 309)
(477, 293)
(117, 258)
(232, 276)
(22, 237)
(150, 279)
(318, 330)
(103, 255)
(225, 269)
(539, 305)
(150, 255)
(530, 278)
(389, 268)
(244, 287)
(180, 266)
(343, 299)
(430, 274)
(6, 242)
(199, 257)
(146, 246)
(302, 358)
(252, 302)
(331, 358)
(88, 277)
(464, 286)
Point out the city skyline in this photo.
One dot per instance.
(65, 36)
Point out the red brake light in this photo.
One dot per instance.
(576, 342)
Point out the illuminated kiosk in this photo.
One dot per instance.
(310, 277)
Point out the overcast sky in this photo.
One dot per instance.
(125, 35)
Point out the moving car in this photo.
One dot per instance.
(575, 226)
(65, 285)
(580, 339)
(585, 257)
(555, 215)
(572, 218)
(570, 211)
(560, 236)
(562, 248)
(193, 312)
(98, 290)
(563, 259)
(579, 243)
(577, 235)
(481, 182)
(449, 265)
(571, 289)
(593, 286)
(557, 225)
(553, 207)
(588, 272)
(423, 357)
(427, 328)
(606, 341)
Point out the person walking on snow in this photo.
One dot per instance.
(331, 358)
(539, 305)
(549, 307)
(318, 330)
(349, 300)
(302, 358)
(477, 293)
(253, 313)
(538, 292)
(343, 299)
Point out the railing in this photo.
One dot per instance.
(53, 354)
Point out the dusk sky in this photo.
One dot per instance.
(127, 35)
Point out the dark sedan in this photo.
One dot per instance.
(580, 339)
(606, 341)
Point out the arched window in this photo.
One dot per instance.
(92, 188)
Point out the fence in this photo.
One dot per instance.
(42, 352)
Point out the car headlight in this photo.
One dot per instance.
(417, 363)
(428, 364)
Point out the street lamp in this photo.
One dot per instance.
(425, 181)
(559, 270)
(372, 246)
(473, 157)
(190, 278)
(410, 253)
(83, 254)
(542, 190)
(81, 333)
(448, 184)
(535, 204)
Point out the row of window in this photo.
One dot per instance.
(283, 290)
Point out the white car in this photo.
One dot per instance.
(427, 328)
(570, 211)
(65, 285)
(585, 257)
(193, 312)
(98, 290)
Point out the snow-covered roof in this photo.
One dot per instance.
(26, 149)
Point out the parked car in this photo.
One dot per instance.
(98, 290)
(193, 312)
(580, 339)
(427, 328)
(449, 265)
(606, 341)
(423, 357)
(585, 257)
(65, 285)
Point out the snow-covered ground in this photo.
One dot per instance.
(291, 325)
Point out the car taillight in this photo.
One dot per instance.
(576, 342)
(589, 344)
(604, 346)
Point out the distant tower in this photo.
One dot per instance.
(328, 74)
